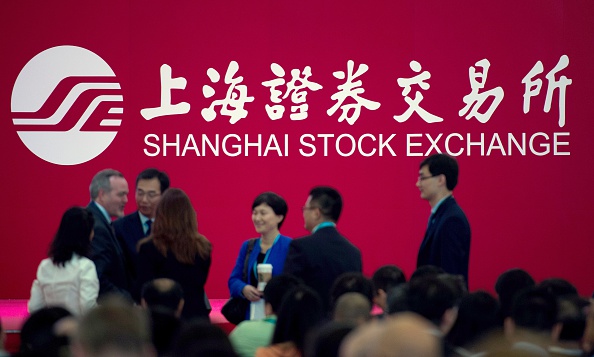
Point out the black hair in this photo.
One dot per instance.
(300, 311)
(442, 164)
(508, 284)
(276, 202)
(37, 333)
(277, 287)
(478, 315)
(201, 338)
(152, 173)
(430, 297)
(572, 314)
(351, 282)
(73, 235)
(326, 340)
(425, 271)
(535, 309)
(558, 287)
(388, 276)
(328, 200)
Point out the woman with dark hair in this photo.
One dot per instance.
(175, 250)
(68, 278)
(269, 211)
(300, 311)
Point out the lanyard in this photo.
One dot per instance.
(267, 254)
(323, 225)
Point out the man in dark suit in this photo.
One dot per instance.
(150, 185)
(447, 240)
(109, 195)
(320, 258)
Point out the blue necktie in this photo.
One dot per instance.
(148, 224)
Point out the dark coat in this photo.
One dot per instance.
(320, 258)
(447, 240)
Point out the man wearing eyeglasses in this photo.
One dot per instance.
(320, 258)
(447, 240)
(150, 185)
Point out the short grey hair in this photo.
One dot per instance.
(101, 182)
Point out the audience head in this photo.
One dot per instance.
(176, 228)
(384, 279)
(426, 270)
(558, 287)
(323, 204)
(276, 288)
(301, 310)
(352, 309)
(325, 341)
(269, 208)
(396, 300)
(150, 185)
(572, 314)
(508, 284)
(457, 283)
(114, 328)
(403, 335)
(478, 315)
(351, 282)
(200, 338)
(533, 310)
(164, 293)
(73, 237)
(442, 164)
(39, 335)
(109, 188)
(435, 299)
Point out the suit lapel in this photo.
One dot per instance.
(434, 221)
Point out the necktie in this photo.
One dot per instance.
(148, 224)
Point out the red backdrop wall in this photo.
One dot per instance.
(528, 207)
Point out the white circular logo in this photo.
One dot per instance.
(67, 104)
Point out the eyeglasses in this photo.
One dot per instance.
(423, 178)
(151, 195)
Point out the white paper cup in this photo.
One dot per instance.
(264, 275)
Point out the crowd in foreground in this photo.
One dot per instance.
(430, 315)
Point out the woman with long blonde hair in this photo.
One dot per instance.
(176, 250)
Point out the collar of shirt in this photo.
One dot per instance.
(434, 208)
(104, 212)
(323, 225)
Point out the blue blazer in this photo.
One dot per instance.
(278, 254)
(447, 240)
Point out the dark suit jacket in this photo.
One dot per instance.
(320, 258)
(191, 277)
(447, 240)
(108, 257)
(128, 230)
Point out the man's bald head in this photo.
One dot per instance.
(163, 293)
